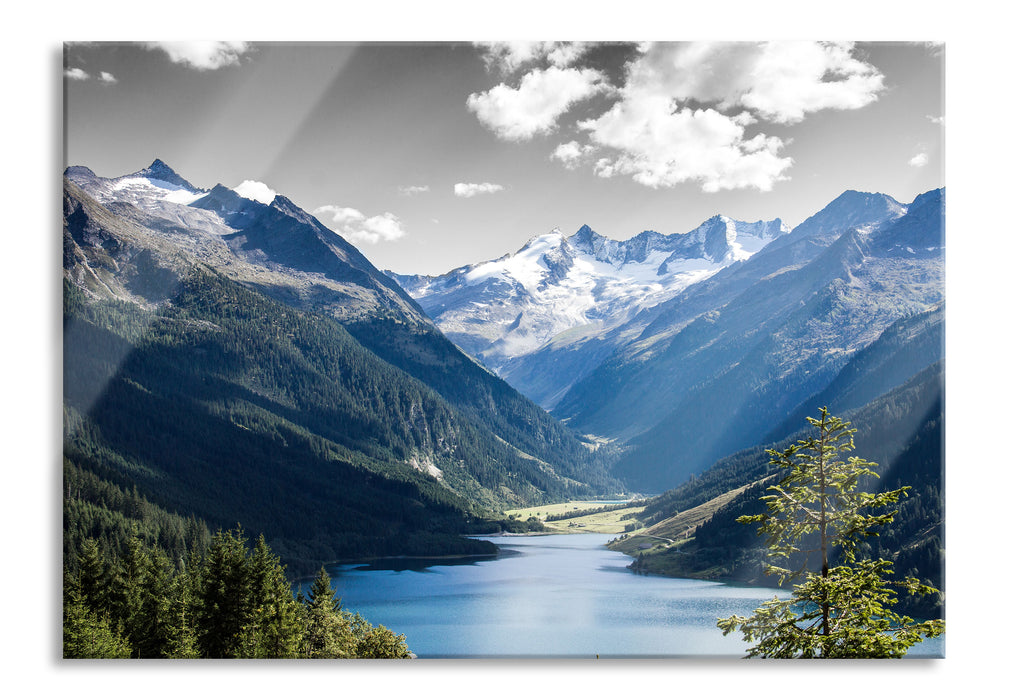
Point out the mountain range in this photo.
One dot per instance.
(687, 347)
(566, 302)
(235, 360)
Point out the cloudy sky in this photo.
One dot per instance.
(431, 155)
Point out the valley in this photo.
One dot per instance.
(233, 361)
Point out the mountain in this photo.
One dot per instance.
(728, 359)
(902, 430)
(236, 361)
(545, 316)
(275, 248)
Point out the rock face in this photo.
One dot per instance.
(567, 301)
(276, 248)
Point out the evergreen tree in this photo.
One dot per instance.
(181, 633)
(229, 603)
(126, 592)
(327, 630)
(92, 578)
(276, 626)
(816, 510)
(322, 594)
(88, 635)
(223, 612)
(152, 636)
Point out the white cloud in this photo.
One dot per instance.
(410, 190)
(661, 145)
(686, 110)
(517, 114)
(779, 81)
(792, 79)
(509, 56)
(572, 153)
(81, 74)
(472, 189)
(250, 189)
(936, 120)
(358, 228)
(920, 160)
(202, 55)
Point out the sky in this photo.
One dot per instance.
(431, 155)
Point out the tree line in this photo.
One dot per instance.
(231, 602)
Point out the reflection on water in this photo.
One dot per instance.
(550, 595)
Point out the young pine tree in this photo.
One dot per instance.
(327, 630)
(276, 626)
(88, 635)
(152, 637)
(180, 629)
(222, 591)
(88, 631)
(816, 510)
(92, 578)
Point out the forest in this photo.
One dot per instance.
(231, 601)
(225, 393)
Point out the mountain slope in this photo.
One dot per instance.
(221, 407)
(283, 252)
(732, 356)
(556, 301)
(188, 377)
(276, 248)
(902, 430)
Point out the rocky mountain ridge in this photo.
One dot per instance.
(558, 291)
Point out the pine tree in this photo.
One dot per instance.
(816, 510)
(152, 638)
(322, 594)
(88, 635)
(275, 628)
(180, 623)
(223, 612)
(126, 591)
(93, 577)
(327, 630)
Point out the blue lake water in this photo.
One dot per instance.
(550, 596)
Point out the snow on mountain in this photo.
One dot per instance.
(584, 284)
(271, 245)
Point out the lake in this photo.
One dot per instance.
(549, 596)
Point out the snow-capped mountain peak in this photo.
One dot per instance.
(145, 188)
(584, 283)
(276, 245)
(159, 172)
